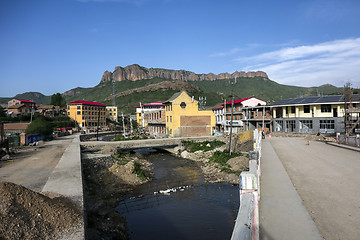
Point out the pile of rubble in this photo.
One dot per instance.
(25, 214)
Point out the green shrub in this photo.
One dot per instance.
(40, 126)
(222, 158)
(192, 146)
(138, 171)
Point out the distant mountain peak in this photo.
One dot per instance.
(136, 72)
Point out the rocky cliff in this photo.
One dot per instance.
(135, 72)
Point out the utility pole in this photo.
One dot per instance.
(232, 113)
(113, 92)
(98, 123)
(122, 114)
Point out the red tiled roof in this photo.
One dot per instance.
(236, 101)
(151, 104)
(27, 101)
(86, 103)
(216, 108)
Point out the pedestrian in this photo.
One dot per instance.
(263, 134)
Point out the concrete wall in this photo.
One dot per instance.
(247, 221)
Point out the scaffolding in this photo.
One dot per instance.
(349, 120)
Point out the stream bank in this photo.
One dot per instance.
(110, 179)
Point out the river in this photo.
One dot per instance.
(193, 210)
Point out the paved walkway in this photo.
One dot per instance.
(282, 212)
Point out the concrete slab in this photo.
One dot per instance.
(282, 212)
(66, 180)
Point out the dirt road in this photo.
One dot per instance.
(32, 166)
(327, 179)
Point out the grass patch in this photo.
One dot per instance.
(221, 158)
(138, 171)
(205, 146)
(137, 137)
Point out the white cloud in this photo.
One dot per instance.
(332, 62)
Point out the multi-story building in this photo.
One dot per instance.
(147, 108)
(30, 104)
(242, 111)
(184, 119)
(219, 118)
(155, 122)
(18, 107)
(324, 114)
(87, 114)
(112, 113)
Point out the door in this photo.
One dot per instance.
(335, 112)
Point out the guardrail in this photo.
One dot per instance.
(247, 221)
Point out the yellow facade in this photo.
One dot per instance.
(181, 112)
(87, 114)
(112, 113)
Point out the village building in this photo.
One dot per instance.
(321, 114)
(17, 107)
(219, 118)
(112, 113)
(48, 110)
(184, 119)
(147, 108)
(87, 114)
(28, 103)
(247, 113)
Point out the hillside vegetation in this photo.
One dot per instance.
(131, 93)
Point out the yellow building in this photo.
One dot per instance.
(112, 113)
(87, 114)
(184, 119)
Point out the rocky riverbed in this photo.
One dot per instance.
(110, 178)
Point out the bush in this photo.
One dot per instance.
(39, 126)
(192, 146)
(221, 158)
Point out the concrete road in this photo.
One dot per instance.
(32, 166)
(327, 179)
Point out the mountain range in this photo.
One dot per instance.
(135, 84)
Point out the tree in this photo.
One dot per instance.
(58, 100)
(39, 126)
(2, 112)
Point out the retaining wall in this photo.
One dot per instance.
(247, 221)
(66, 180)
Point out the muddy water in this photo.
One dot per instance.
(198, 211)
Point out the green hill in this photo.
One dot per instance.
(37, 97)
(131, 93)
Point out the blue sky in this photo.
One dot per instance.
(52, 46)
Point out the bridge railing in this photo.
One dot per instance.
(247, 221)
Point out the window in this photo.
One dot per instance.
(287, 110)
(167, 118)
(78, 112)
(307, 109)
(325, 108)
(292, 109)
(78, 107)
(170, 118)
(68, 113)
(327, 124)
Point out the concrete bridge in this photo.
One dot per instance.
(150, 143)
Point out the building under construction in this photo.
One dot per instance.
(352, 111)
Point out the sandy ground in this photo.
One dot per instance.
(31, 166)
(327, 179)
